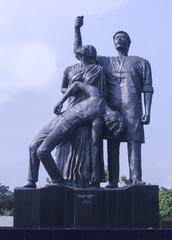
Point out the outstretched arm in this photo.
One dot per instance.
(76, 86)
(78, 38)
(89, 90)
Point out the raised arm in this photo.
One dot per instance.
(91, 91)
(78, 38)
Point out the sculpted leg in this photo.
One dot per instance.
(49, 164)
(44, 153)
(34, 160)
(96, 139)
(134, 158)
(113, 163)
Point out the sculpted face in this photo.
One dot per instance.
(121, 42)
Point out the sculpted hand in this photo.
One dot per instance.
(79, 22)
(146, 119)
(58, 108)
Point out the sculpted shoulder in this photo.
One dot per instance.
(99, 67)
(106, 62)
(138, 59)
(105, 58)
(72, 67)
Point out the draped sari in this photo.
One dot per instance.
(74, 157)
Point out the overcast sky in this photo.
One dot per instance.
(36, 40)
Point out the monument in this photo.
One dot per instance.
(104, 102)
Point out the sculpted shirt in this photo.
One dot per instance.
(127, 79)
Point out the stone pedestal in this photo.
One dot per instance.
(134, 207)
(43, 207)
(69, 207)
(88, 208)
(52, 206)
(26, 208)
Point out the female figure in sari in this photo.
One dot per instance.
(74, 157)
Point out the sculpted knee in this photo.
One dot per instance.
(41, 153)
(33, 146)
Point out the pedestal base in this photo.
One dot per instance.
(86, 208)
(68, 207)
(43, 207)
(134, 207)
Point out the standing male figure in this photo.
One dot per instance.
(129, 78)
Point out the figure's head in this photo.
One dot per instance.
(87, 52)
(115, 123)
(122, 41)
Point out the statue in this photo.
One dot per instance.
(129, 77)
(91, 110)
(74, 156)
(104, 97)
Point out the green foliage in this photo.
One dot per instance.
(6, 200)
(165, 205)
(7, 212)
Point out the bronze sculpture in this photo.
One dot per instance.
(129, 77)
(104, 97)
(91, 110)
(120, 81)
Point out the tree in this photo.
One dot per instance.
(165, 207)
(6, 200)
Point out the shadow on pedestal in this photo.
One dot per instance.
(52, 206)
(134, 207)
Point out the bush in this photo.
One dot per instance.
(6, 200)
(165, 205)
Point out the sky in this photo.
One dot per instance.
(36, 45)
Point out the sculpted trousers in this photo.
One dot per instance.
(113, 161)
(37, 154)
(134, 160)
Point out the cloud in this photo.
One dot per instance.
(10, 10)
(30, 66)
(16, 13)
(27, 57)
(35, 66)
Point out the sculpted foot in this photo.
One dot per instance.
(112, 185)
(137, 182)
(60, 182)
(30, 185)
